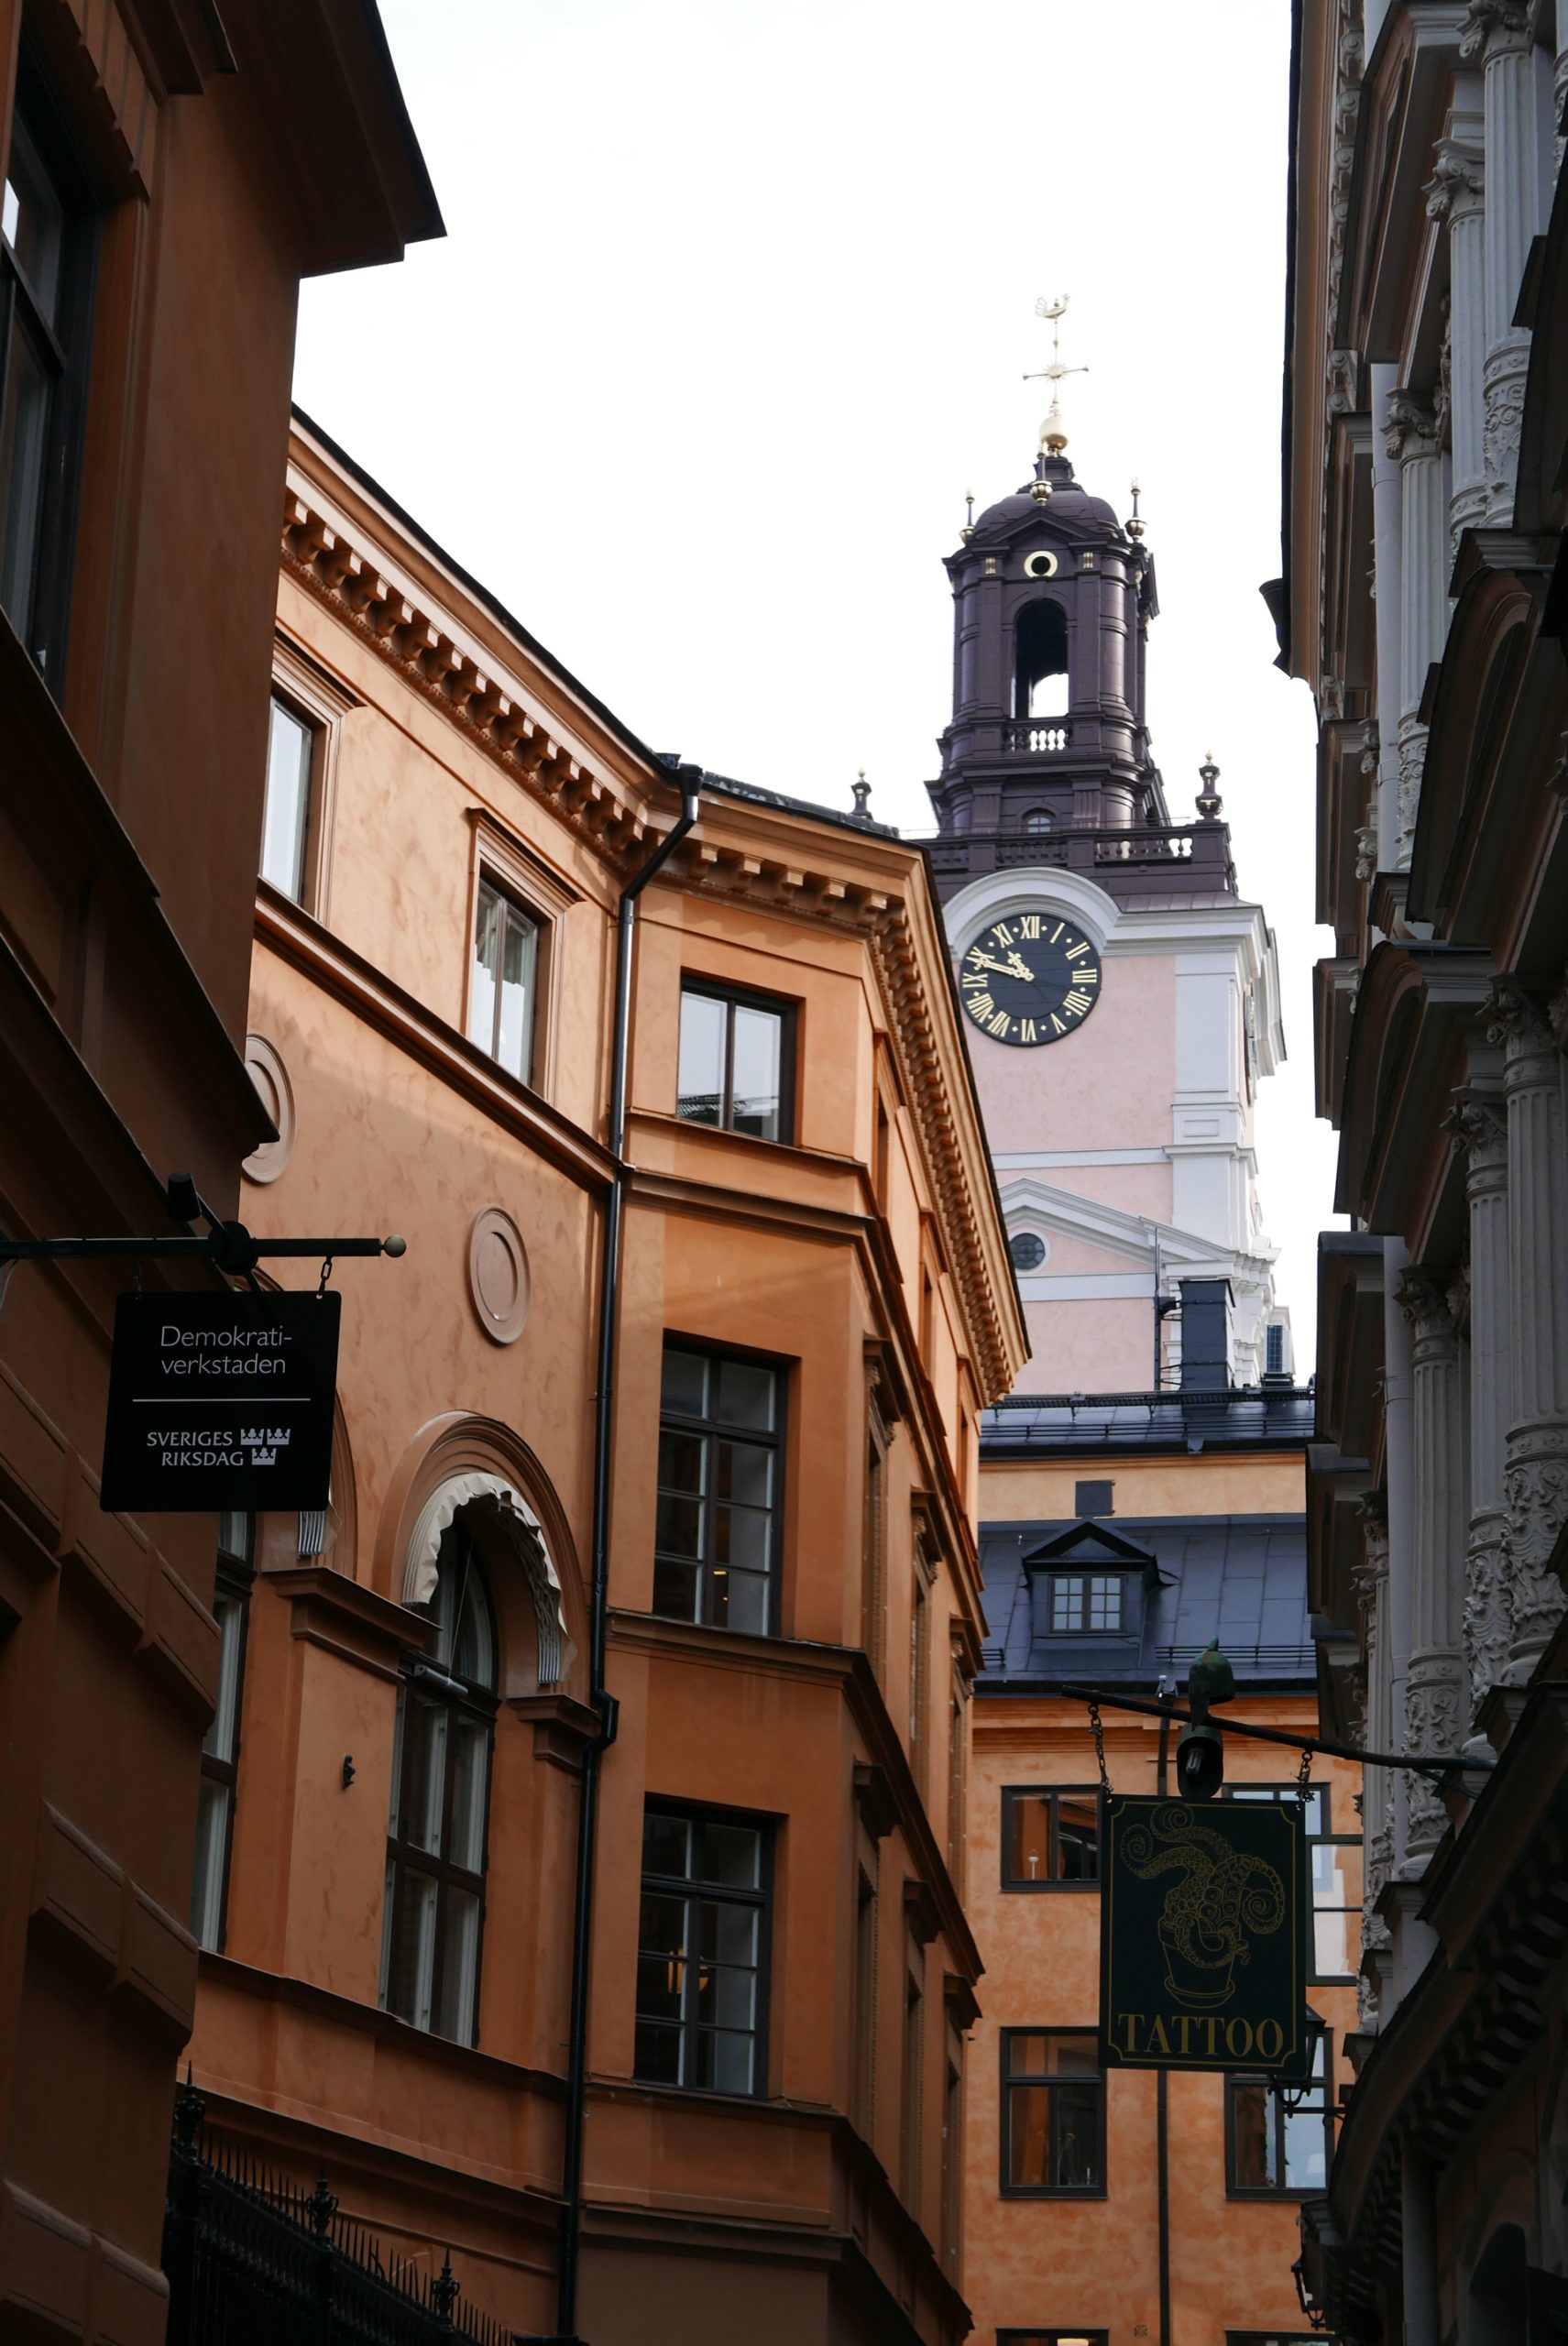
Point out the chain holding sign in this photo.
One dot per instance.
(1204, 1914)
(221, 1401)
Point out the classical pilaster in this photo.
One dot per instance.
(1371, 1579)
(1535, 1476)
(1479, 1124)
(1436, 1711)
(1411, 437)
(1496, 34)
(1456, 200)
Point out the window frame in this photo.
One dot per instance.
(513, 903)
(1009, 2079)
(65, 352)
(1054, 1793)
(235, 1577)
(1057, 1575)
(402, 1857)
(1242, 2080)
(1327, 1838)
(318, 701)
(695, 1886)
(780, 1006)
(716, 1428)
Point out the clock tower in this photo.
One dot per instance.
(1121, 997)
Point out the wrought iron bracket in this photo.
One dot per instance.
(1421, 1763)
(228, 1245)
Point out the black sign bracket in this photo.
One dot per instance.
(229, 1245)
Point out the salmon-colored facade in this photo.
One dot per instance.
(166, 187)
(1098, 2259)
(813, 1303)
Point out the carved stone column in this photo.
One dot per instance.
(1455, 199)
(1479, 1123)
(1496, 34)
(1377, 1820)
(1411, 436)
(1535, 1477)
(1436, 1710)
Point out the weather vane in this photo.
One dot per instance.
(1052, 434)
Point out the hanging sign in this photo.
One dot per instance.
(1204, 1924)
(220, 1401)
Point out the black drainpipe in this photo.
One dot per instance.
(1162, 2103)
(600, 1700)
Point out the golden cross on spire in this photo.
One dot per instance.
(1052, 433)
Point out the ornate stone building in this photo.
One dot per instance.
(1425, 599)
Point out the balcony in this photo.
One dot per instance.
(1038, 736)
(1193, 858)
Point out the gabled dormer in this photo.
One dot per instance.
(1089, 1587)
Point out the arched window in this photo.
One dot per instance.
(1040, 646)
(1038, 819)
(441, 1778)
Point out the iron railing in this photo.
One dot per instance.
(252, 2259)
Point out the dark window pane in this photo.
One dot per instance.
(742, 1601)
(660, 1980)
(1252, 2137)
(657, 2054)
(1028, 2128)
(744, 1471)
(1075, 2137)
(24, 438)
(33, 218)
(700, 1088)
(733, 1854)
(681, 1458)
(662, 1923)
(1078, 1837)
(1026, 2054)
(747, 1394)
(725, 2060)
(674, 1590)
(666, 1843)
(678, 1525)
(683, 1387)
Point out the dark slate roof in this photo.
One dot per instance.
(1233, 1418)
(1242, 1578)
(727, 787)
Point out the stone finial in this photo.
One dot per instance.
(861, 791)
(1209, 800)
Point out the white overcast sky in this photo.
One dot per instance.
(734, 306)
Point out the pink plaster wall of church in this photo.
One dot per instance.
(1089, 1346)
(1106, 1085)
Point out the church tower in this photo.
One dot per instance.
(1122, 998)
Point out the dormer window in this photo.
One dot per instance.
(1086, 1604)
(1038, 819)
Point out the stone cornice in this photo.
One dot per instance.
(435, 659)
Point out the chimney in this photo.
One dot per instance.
(1205, 1334)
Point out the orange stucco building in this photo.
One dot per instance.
(740, 1632)
(1136, 2205)
(164, 186)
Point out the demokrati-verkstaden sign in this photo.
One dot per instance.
(221, 1401)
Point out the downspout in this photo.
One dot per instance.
(1162, 2101)
(600, 1700)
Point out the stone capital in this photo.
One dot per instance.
(1479, 1124)
(1456, 190)
(1518, 1024)
(1424, 1297)
(1411, 433)
(1494, 28)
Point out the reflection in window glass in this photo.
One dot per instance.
(699, 1953)
(1053, 2111)
(435, 1834)
(1050, 1836)
(501, 983)
(731, 1065)
(716, 1509)
(1277, 2148)
(220, 1747)
(288, 802)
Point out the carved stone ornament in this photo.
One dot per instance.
(1516, 1024)
(1503, 378)
(1480, 1129)
(1367, 853)
(1493, 27)
(1535, 1503)
(1410, 431)
(1412, 761)
(1459, 1300)
(1342, 366)
(1432, 1723)
(1488, 1616)
(1330, 699)
(1422, 1296)
(1458, 184)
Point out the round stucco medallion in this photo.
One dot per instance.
(498, 1275)
(264, 1065)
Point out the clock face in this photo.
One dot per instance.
(1030, 979)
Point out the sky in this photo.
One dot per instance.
(734, 307)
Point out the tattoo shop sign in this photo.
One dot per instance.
(220, 1401)
(1204, 1915)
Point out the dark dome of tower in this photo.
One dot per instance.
(1067, 503)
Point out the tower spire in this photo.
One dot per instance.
(1053, 433)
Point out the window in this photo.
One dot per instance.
(1334, 1862)
(1038, 819)
(1053, 2113)
(435, 1836)
(1086, 1604)
(700, 1944)
(873, 1533)
(291, 742)
(1027, 1249)
(1273, 2337)
(1049, 1838)
(919, 1673)
(953, 2154)
(46, 238)
(1093, 1498)
(736, 1063)
(1270, 2147)
(717, 1524)
(863, 2049)
(503, 981)
(220, 1750)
